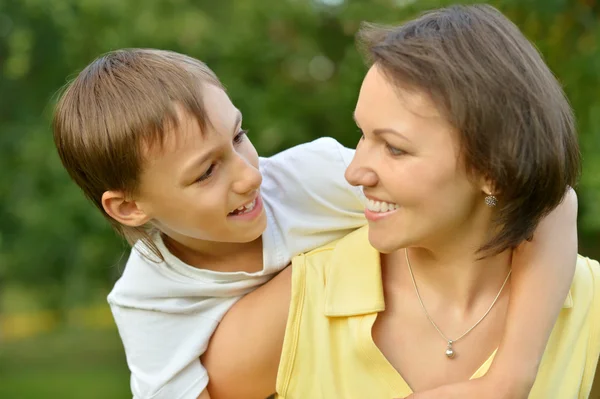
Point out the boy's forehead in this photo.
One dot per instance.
(218, 107)
(219, 119)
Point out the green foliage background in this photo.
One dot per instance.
(291, 66)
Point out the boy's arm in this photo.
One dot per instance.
(543, 270)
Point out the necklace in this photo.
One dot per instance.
(450, 353)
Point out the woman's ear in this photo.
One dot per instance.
(487, 186)
(123, 209)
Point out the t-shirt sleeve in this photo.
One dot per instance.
(163, 352)
(312, 201)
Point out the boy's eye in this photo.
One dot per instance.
(207, 174)
(240, 136)
(394, 151)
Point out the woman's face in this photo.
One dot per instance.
(409, 165)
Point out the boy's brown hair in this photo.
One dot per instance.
(515, 124)
(116, 107)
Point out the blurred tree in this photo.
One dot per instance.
(290, 66)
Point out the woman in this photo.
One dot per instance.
(468, 141)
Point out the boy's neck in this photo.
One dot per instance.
(219, 256)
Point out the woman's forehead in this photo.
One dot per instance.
(384, 104)
(380, 96)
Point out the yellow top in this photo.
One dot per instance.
(328, 350)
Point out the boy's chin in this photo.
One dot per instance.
(252, 233)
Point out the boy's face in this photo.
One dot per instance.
(195, 185)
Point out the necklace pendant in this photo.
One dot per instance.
(449, 351)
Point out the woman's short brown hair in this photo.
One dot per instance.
(116, 107)
(515, 124)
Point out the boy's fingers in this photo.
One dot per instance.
(453, 391)
(472, 389)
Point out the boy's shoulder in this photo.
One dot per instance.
(311, 174)
(140, 277)
(171, 286)
(314, 155)
(147, 279)
(308, 200)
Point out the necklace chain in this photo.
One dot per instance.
(450, 351)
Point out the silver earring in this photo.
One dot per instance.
(491, 201)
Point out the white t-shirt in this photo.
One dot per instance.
(166, 312)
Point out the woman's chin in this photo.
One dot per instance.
(384, 242)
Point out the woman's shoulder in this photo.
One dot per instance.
(583, 300)
(585, 289)
(581, 310)
(572, 352)
(590, 264)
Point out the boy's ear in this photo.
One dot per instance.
(123, 209)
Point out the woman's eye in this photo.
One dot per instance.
(362, 135)
(394, 151)
(207, 174)
(240, 136)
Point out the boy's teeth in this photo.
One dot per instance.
(245, 208)
(380, 206)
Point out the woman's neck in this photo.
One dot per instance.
(452, 272)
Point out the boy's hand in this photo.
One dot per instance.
(476, 389)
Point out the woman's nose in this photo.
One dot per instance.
(359, 173)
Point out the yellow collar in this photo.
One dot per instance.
(354, 285)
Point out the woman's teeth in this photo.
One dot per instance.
(380, 206)
(244, 209)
